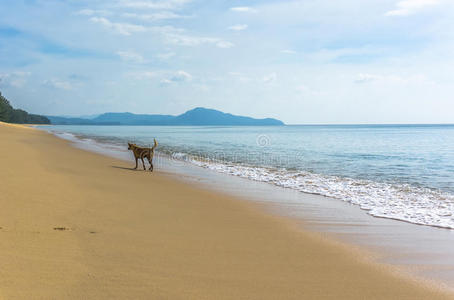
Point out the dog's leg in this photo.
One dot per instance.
(136, 163)
(150, 162)
(143, 163)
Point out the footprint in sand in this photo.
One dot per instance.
(62, 228)
(68, 229)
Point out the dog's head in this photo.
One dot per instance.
(130, 146)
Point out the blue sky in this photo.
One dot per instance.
(309, 61)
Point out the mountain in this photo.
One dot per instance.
(10, 115)
(196, 117)
(204, 116)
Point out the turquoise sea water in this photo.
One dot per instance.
(404, 172)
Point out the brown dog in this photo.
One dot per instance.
(141, 152)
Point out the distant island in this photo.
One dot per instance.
(10, 115)
(196, 117)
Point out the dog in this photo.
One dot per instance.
(141, 152)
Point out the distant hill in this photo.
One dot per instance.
(196, 117)
(10, 115)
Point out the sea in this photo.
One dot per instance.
(400, 172)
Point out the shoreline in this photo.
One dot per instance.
(95, 229)
(426, 203)
(421, 251)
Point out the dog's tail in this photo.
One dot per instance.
(155, 144)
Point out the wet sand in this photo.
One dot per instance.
(79, 225)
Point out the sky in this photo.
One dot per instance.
(303, 62)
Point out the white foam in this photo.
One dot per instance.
(395, 201)
(180, 156)
(66, 136)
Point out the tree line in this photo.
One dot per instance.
(10, 115)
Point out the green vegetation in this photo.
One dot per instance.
(11, 115)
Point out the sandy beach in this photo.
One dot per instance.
(79, 225)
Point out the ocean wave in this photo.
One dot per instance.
(66, 136)
(418, 205)
(180, 156)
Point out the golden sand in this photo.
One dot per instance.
(77, 225)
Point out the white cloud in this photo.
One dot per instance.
(288, 51)
(85, 12)
(415, 78)
(121, 28)
(15, 79)
(128, 29)
(131, 56)
(238, 27)
(182, 76)
(328, 54)
(224, 44)
(245, 9)
(179, 76)
(171, 34)
(164, 15)
(91, 12)
(186, 40)
(270, 78)
(58, 84)
(408, 7)
(365, 78)
(164, 4)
